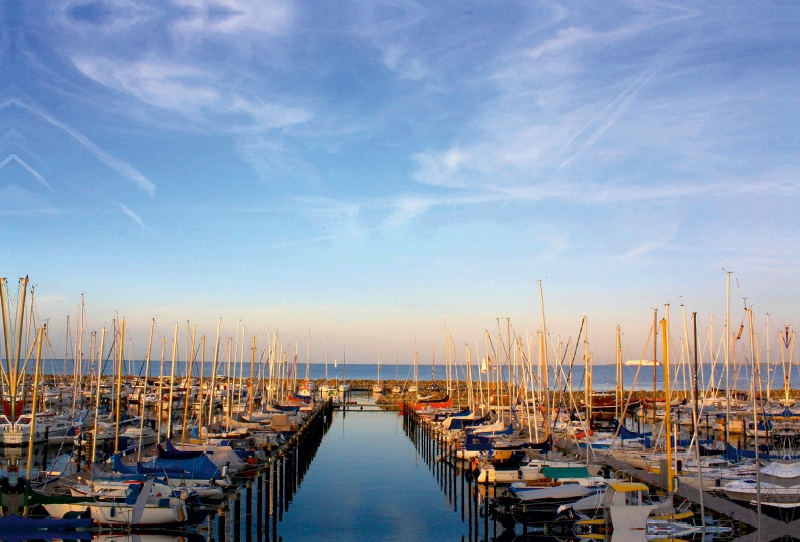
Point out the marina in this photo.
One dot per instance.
(392, 270)
(239, 441)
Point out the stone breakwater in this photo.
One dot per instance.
(439, 387)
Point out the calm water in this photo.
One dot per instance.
(367, 482)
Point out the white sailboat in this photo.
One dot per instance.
(378, 387)
(344, 387)
(140, 507)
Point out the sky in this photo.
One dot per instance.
(378, 170)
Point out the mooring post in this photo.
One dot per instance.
(221, 524)
(248, 511)
(237, 516)
(281, 481)
(259, 504)
(274, 500)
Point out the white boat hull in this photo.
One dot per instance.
(121, 514)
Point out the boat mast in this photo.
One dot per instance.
(619, 395)
(229, 356)
(546, 384)
(655, 359)
(546, 376)
(99, 393)
(667, 419)
(172, 381)
(188, 392)
(160, 398)
(753, 372)
(587, 379)
(77, 361)
(202, 391)
(727, 362)
(250, 390)
(696, 420)
(6, 323)
(769, 363)
(241, 370)
(118, 406)
(214, 360)
(31, 434)
(143, 395)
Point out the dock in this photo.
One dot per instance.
(770, 528)
(365, 407)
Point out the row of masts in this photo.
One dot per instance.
(529, 369)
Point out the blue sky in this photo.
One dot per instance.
(378, 170)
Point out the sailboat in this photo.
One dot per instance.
(415, 387)
(396, 388)
(307, 386)
(140, 507)
(324, 388)
(378, 387)
(344, 387)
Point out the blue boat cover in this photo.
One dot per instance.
(198, 468)
(171, 452)
(737, 455)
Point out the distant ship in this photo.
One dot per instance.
(643, 362)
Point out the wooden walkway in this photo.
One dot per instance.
(366, 408)
(771, 528)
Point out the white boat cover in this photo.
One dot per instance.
(528, 494)
(780, 469)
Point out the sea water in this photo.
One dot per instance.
(603, 376)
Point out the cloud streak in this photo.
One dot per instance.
(130, 214)
(122, 167)
(29, 169)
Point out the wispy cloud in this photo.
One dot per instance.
(565, 37)
(388, 26)
(133, 216)
(122, 167)
(407, 209)
(204, 18)
(28, 168)
(606, 118)
(300, 242)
